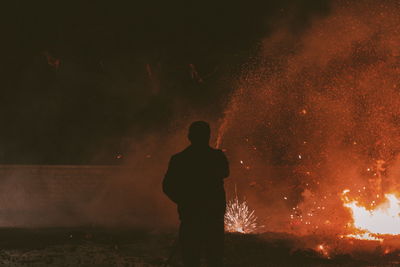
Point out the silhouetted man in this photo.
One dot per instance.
(195, 182)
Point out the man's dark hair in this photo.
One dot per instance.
(199, 132)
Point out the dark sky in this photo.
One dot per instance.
(79, 75)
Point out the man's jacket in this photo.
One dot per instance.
(195, 180)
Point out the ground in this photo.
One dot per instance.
(137, 247)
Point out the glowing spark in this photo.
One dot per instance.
(239, 218)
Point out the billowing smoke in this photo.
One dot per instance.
(316, 114)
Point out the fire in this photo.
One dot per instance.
(239, 218)
(363, 236)
(383, 219)
(320, 109)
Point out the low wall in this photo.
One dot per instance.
(35, 195)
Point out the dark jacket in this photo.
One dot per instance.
(195, 180)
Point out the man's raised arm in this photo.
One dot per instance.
(224, 165)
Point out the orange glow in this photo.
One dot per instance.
(323, 110)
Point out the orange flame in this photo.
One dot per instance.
(383, 219)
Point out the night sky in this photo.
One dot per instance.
(81, 75)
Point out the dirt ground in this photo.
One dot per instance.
(137, 247)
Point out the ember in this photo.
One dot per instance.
(323, 249)
(51, 60)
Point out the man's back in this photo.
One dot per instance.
(194, 179)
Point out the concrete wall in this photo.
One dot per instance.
(35, 195)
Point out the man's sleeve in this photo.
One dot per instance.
(224, 166)
(170, 186)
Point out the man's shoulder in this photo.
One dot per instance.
(217, 154)
(187, 152)
(180, 154)
(217, 151)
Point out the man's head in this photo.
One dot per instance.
(199, 133)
